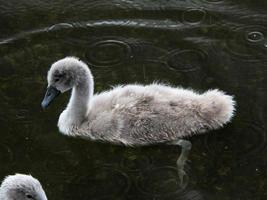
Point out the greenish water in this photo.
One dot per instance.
(198, 44)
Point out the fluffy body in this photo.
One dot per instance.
(21, 187)
(135, 114)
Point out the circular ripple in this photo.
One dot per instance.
(247, 140)
(185, 60)
(108, 52)
(254, 36)
(6, 155)
(247, 43)
(163, 181)
(101, 183)
(110, 5)
(194, 16)
(60, 26)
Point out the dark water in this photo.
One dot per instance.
(198, 44)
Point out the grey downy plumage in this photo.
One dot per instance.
(134, 114)
(21, 187)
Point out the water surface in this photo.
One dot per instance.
(198, 44)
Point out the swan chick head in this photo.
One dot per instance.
(63, 75)
(21, 187)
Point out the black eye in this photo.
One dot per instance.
(58, 77)
(29, 196)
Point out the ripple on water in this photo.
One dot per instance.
(100, 183)
(108, 5)
(254, 36)
(160, 182)
(60, 26)
(108, 52)
(145, 51)
(226, 7)
(207, 3)
(187, 60)
(22, 116)
(194, 16)
(248, 139)
(247, 42)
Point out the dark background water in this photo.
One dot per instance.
(198, 44)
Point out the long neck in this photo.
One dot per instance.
(81, 95)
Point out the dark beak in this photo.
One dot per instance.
(50, 95)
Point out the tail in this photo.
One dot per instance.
(216, 108)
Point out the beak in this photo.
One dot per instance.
(50, 95)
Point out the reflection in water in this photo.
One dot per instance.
(163, 181)
(133, 163)
(194, 43)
